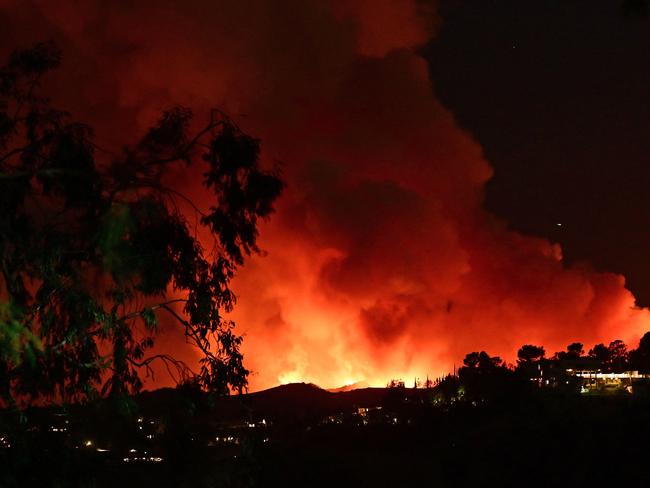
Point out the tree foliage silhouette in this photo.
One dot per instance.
(618, 356)
(529, 353)
(600, 352)
(487, 378)
(95, 248)
(640, 357)
(575, 350)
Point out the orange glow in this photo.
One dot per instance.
(380, 261)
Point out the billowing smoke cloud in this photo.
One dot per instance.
(380, 260)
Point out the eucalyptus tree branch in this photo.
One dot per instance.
(181, 367)
(139, 313)
(183, 153)
(202, 344)
(33, 83)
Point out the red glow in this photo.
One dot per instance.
(380, 261)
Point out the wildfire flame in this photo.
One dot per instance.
(380, 262)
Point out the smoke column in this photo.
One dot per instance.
(380, 261)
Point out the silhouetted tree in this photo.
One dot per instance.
(396, 384)
(613, 357)
(640, 357)
(529, 354)
(573, 351)
(487, 378)
(93, 241)
(447, 389)
(481, 362)
(600, 352)
(529, 358)
(618, 356)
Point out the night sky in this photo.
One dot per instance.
(558, 94)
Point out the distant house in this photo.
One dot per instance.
(594, 382)
(584, 375)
